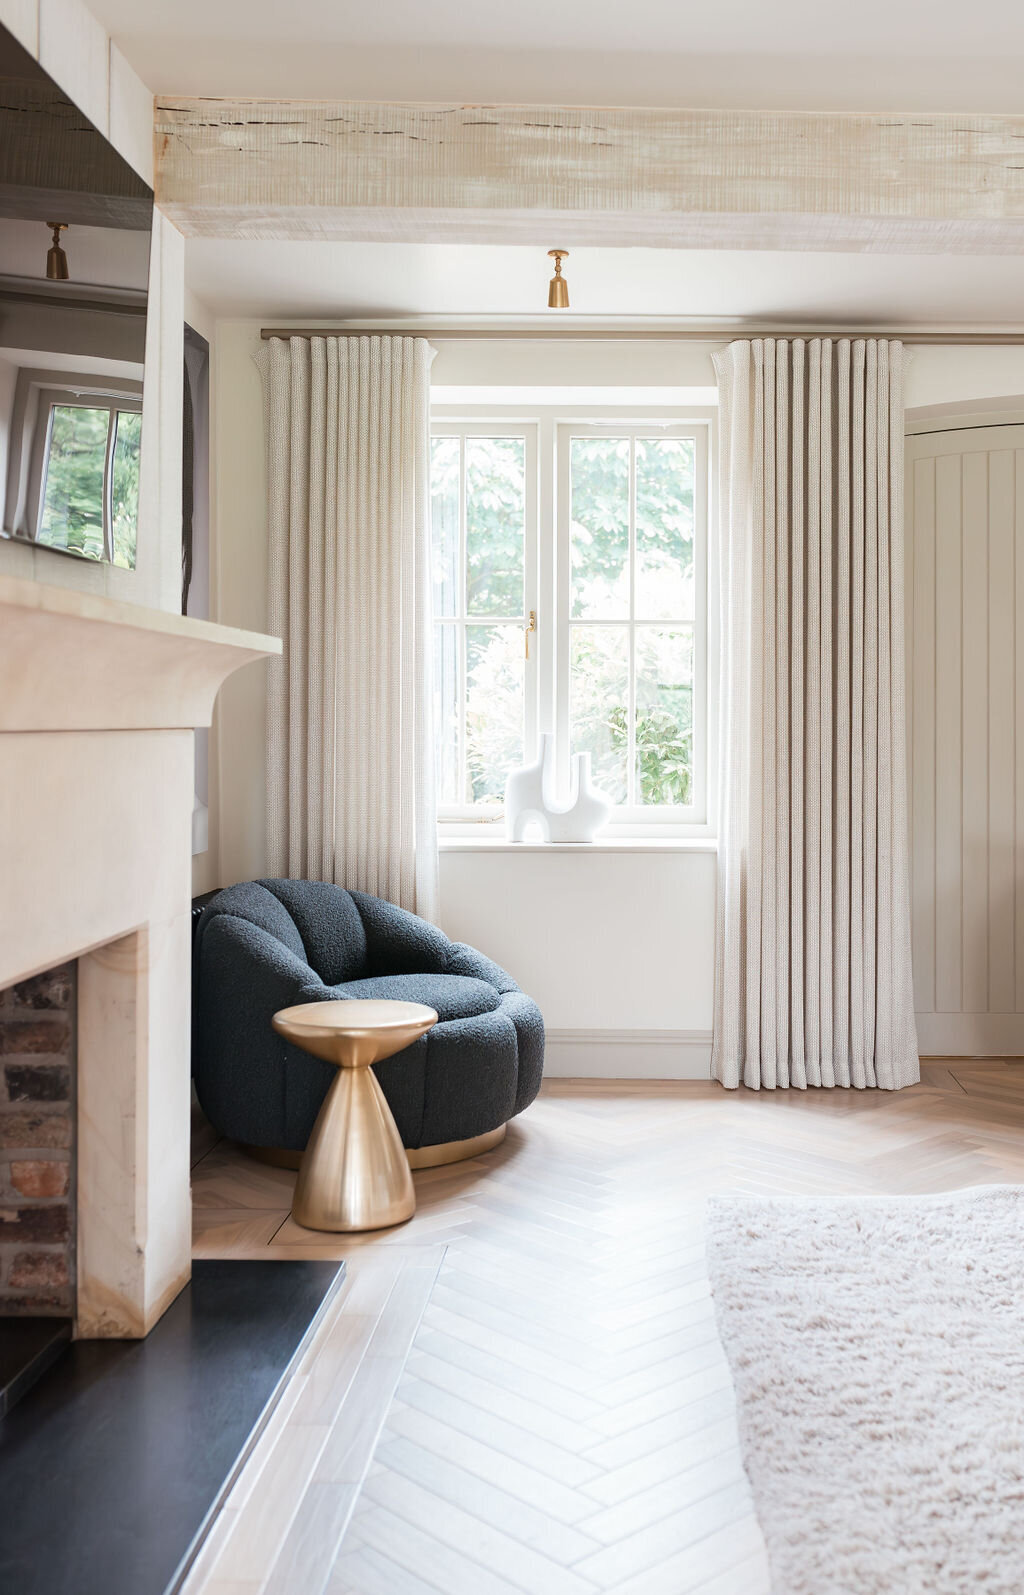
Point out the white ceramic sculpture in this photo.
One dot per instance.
(528, 799)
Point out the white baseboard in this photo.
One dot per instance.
(970, 1035)
(628, 1054)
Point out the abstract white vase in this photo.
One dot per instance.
(529, 799)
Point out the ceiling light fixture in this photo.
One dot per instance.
(56, 260)
(558, 288)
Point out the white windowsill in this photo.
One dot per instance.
(604, 844)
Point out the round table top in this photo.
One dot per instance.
(357, 1016)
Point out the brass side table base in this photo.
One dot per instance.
(354, 1173)
(418, 1157)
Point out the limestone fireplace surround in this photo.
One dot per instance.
(98, 702)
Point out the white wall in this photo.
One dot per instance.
(72, 46)
(615, 944)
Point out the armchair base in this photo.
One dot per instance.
(420, 1157)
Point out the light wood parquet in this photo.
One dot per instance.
(521, 1392)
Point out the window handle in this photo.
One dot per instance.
(527, 630)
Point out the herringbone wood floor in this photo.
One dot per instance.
(521, 1392)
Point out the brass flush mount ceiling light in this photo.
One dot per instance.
(56, 260)
(558, 288)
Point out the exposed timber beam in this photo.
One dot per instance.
(576, 177)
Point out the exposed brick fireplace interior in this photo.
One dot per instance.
(37, 1145)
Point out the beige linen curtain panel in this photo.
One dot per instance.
(813, 975)
(350, 793)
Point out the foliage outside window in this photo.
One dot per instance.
(616, 668)
(479, 504)
(631, 615)
(89, 496)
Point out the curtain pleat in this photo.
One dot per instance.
(350, 788)
(813, 976)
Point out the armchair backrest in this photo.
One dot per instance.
(341, 935)
(317, 922)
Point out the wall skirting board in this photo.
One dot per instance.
(628, 1054)
(970, 1035)
(686, 1054)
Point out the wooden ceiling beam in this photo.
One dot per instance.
(576, 177)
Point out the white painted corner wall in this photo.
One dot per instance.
(73, 47)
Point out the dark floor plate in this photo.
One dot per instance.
(28, 1346)
(113, 1465)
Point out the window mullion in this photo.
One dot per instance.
(108, 486)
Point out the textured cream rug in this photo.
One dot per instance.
(877, 1348)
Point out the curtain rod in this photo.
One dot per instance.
(677, 335)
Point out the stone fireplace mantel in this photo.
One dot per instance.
(73, 662)
(98, 703)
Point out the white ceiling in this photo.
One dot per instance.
(359, 281)
(876, 54)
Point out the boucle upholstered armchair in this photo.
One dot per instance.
(269, 944)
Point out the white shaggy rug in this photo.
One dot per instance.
(877, 1348)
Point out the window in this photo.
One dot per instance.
(89, 477)
(570, 583)
(483, 498)
(74, 450)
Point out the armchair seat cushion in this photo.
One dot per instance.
(270, 944)
(451, 996)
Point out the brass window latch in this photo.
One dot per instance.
(527, 630)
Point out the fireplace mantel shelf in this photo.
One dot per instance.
(70, 661)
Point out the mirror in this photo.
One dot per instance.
(75, 229)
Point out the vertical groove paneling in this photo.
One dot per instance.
(965, 666)
(1001, 772)
(921, 699)
(948, 760)
(974, 771)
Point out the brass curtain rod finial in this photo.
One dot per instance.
(558, 288)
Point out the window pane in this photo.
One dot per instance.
(664, 714)
(446, 712)
(72, 512)
(124, 486)
(495, 660)
(599, 512)
(599, 704)
(664, 528)
(495, 525)
(444, 523)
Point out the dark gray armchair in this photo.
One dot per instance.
(269, 944)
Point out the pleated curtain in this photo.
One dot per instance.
(813, 969)
(350, 793)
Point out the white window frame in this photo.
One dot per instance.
(547, 678)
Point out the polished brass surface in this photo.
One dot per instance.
(433, 1157)
(558, 288)
(419, 1157)
(354, 1173)
(56, 260)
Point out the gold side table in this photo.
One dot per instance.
(354, 1173)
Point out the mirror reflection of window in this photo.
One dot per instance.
(89, 502)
